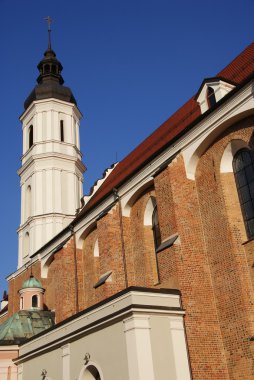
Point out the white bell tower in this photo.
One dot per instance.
(52, 172)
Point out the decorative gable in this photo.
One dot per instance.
(211, 91)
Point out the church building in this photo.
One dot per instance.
(151, 275)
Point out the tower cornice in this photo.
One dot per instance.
(46, 102)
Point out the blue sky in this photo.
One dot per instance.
(130, 65)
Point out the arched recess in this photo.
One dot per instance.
(91, 265)
(142, 240)
(96, 252)
(128, 200)
(223, 228)
(226, 165)
(194, 151)
(83, 233)
(231, 196)
(45, 264)
(151, 219)
(91, 371)
(148, 214)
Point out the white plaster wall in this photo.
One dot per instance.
(141, 347)
(52, 168)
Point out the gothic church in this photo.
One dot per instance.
(150, 276)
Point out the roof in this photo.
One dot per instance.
(32, 282)
(238, 71)
(25, 324)
(50, 81)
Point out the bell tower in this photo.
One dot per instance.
(51, 174)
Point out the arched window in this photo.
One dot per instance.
(243, 166)
(156, 228)
(91, 373)
(31, 136)
(46, 69)
(210, 96)
(28, 201)
(151, 219)
(61, 130)
(26, 245)
(21, 303)
(35, 301)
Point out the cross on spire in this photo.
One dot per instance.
(49, 21)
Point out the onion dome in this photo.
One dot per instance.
(32, 282)
(50, 80)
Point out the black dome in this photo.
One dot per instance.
(50, 81)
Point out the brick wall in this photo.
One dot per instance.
(211, 262)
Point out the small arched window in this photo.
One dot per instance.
(35, 301)
(46, 69)
(62, 130)
(210, 96)
(28, 201)
(26, 245)
(156, 228)
(243, 166)
(31, 136)
(21, 303)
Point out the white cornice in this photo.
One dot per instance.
(48, 102)
(133, 301)
(41, 156)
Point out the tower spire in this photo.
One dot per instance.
(49, 21)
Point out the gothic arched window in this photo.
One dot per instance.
(243, 166)
(210, 96)
(156, 228)
(31, 136)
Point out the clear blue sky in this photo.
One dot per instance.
(130, 65)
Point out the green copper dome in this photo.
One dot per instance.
(32, 282)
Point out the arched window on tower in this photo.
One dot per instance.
(28, 201)
(46, 69)
(26, 245)
(21, 306)
(243, 166)
(62, 130)
(210, 96)
(31, 136)
(34, 301)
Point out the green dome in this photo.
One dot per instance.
(32, 282)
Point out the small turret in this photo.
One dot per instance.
(31, 294)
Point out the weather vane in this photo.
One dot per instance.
(49, 21)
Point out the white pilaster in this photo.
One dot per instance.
(20, 372)
(139, 351)
(66, 361)
(179, 348)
